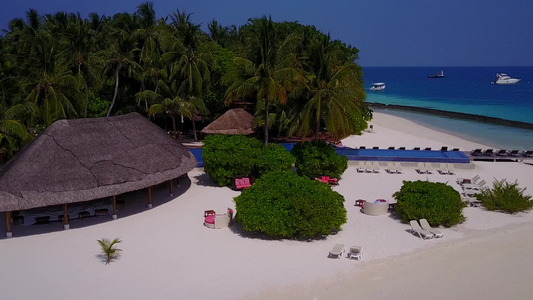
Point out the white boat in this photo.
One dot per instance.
(438, 75)
(502, 78)
(378, 86)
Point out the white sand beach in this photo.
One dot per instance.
(169, 254)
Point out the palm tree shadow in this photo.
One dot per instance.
(103, 258)
(205, 180)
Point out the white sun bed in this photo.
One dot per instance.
(425, 225)
(416, 229)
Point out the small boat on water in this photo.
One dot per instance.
(502, 78)
(378, 86)
(438, 75)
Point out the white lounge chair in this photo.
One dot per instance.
(398, 167)
(390, 168)
(429, 168)
(425, 225)
(451, 169)
(421, 168)
(337, 251)
(375, 167)
(368, 167)
(443, 169)
(360, 167)
(416, 229)
(356, 252)
(462, 181)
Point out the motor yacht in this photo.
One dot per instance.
(378, 86)
(438, 75)
(502, 78)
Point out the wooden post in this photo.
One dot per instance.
(65, 217)
(149, 197)
(114, 207)
(171, 194)
(9, 234)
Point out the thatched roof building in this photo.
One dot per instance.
(234, 121)
(84, 159)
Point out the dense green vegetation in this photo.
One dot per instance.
(317, 158)
(285, 205)
(65, 66)
(437, 202)
(505, 197)
(228, 156)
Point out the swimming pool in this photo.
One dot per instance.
(431, 156)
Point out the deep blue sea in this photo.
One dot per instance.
(463, 89)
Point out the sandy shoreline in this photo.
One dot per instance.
(169, 254)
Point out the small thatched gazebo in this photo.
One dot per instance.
(86, 159)
(234, 121)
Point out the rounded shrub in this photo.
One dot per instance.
(317, 158)
(436, 202)
(284, 205)
(228, 156)
(505, 197)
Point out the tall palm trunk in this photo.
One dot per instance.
(266, 120)
(117, 72)
(174, 126)
(194, 128)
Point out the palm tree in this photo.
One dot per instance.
(120, 56)
(270, 73)
(336, 91)
(13, 133)
(109, 250)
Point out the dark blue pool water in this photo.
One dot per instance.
(434, 156)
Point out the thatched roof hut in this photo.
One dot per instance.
(84, 159)
(234, 121)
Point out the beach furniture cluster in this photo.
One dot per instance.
(328, 180)
(217, 221)
(471, 187)
(394, 168)
(355, 252)
(368, 167)
(424, 230)
(502, 153)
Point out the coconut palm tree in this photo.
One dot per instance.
(336, 91)
(109, 250)
(120, 57)
(270, 70)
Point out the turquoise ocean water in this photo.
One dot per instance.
(463, 89)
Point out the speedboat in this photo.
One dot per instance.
(438, 75)
(378, 86)
(502, 78)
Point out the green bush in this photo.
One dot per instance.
(284, 205)
(505, 197)
(317, 158)
(228, 156)
(437, 202)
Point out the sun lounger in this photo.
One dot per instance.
(513, 153)
(356, 252)
(476, 152)
(416, 229)
(455, 149)
(427, 149)
(360, 168)
(375, 167)
(429, 168)
(368, 167)
(401, 148)
(488, 152)
(421, 169)
(462, 181)
(444, 148)
(528, 153)
(391, 148)
(362, 147)
(390, 168)
(375, 148)
(451, 169)
(443, 169)
(398, 168)
(425, 225)
(337, 251)
(416, 148)
(501, 152)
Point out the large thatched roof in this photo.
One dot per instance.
(85, 159)
(234, 121)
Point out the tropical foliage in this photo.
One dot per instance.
(437, 202)
(285, 205)
(505, 197)
(293, 78)
(109, 249)
(317, 158)
(228, 156)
